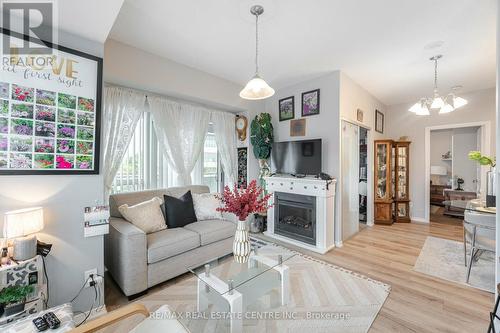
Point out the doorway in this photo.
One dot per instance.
(355, 175)
(448, 171)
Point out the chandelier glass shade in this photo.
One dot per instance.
(446, 104)
(256, 88)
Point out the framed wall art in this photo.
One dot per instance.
(50, 110)
(310, 103)
(242, 167)
(287, 108)
(298, 127)
(379, 121)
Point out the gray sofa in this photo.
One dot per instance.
(138, 261)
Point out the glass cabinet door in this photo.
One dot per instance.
(402, 172)
(382, 169)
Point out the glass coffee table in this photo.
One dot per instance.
(228, 287)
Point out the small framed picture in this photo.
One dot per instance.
(287, 108)
(359, 115)
(379, 121)
(298, 127)
(310, 103)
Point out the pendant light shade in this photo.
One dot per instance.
(459, 101)
(256, 88)
(437, 103)
(447, 108)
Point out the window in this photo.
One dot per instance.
(145, 167)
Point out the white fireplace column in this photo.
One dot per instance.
(323, 191)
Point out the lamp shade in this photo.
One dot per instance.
(22, 222)
(438, 170)
(256, 88)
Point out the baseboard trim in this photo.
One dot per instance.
(419, 220)
(339, 244)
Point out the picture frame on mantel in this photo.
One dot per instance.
(379, 122)
(50, 119)
(286, 108)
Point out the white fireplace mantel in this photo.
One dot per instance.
(324, 191)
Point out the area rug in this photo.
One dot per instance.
(444, 258)
(324, 298)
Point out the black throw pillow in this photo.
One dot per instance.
(178, 212)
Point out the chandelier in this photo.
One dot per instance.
(256, 88)
(449, 103)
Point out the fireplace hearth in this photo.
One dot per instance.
(296, 217)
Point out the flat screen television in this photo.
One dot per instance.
(296, 157)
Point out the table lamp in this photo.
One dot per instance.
(20, 225)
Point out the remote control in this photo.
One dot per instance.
(52, 320)
(40, 324)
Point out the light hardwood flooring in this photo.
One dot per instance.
(417, 302)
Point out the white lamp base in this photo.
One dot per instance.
(24, 248)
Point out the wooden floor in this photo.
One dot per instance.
(417, 302)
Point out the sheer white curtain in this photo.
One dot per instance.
(181, 130)
(225, 137)
(121, 112)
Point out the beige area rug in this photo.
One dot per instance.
(444, 259)
(347, 302)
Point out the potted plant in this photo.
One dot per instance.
(13, 299)
(490, 175)
(261, 137)
(243, 202)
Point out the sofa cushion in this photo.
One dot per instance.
(170, 242)
(205, 206)
(146, 215)
(178, 212)
(211, 231)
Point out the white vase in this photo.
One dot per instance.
(241, 243)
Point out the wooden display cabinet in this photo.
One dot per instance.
(383, 198)
(401, 181)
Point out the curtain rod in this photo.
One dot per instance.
(175, 99)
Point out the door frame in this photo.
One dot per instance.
(485, 147)
(369, 198)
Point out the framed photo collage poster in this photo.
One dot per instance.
(49, 111)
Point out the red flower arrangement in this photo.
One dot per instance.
(243, 202)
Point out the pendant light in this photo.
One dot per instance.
(445, 105)
(256, 88)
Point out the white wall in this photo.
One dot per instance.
(400, 122)
(63, 198)
(131, 67)
(440, 145)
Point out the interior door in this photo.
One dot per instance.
(350, 179)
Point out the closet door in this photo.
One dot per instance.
(350, 179)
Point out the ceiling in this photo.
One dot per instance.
(383, 45)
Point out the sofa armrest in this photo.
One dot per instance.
(125, 249)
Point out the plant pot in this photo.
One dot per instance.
(13, 308)
(491, 188)
(241, 243)
(1, 309)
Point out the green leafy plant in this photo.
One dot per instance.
(482, 159)
(261, 135)
(15, 294)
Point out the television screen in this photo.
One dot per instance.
(296, 157)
